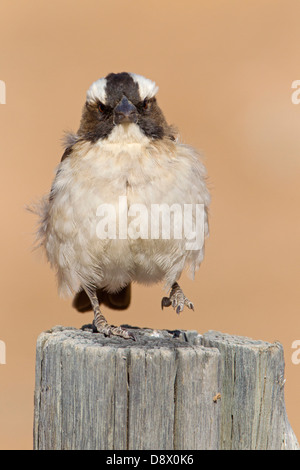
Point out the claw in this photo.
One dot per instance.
(177, 299)
(131, 336)
(189, 304)
(109, 331)
(179, 309)
(100, 324)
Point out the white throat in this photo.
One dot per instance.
(127, 133)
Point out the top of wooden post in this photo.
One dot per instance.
(166, 390)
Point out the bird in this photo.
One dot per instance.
(125, 150)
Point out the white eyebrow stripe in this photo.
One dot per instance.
(147, 88)
(97, 90)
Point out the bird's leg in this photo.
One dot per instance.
(100, 324)
(177, 299)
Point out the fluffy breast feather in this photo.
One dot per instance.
(93, 174)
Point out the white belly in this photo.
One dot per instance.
(144, 175)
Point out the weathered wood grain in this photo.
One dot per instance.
(253, 408)
(164, 391)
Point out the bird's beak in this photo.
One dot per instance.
(125, 111)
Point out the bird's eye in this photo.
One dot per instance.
(101, 107)
(145, 104)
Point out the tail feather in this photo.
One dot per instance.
(118, 301)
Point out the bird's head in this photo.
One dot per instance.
(123, 99)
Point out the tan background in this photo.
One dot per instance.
(225, 70)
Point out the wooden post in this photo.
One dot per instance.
(253, 408)
(166, 391)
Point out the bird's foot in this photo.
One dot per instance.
(101, 326)
(177, 299)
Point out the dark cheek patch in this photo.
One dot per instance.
(151, 128)
(94, 124)
(153, 123)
